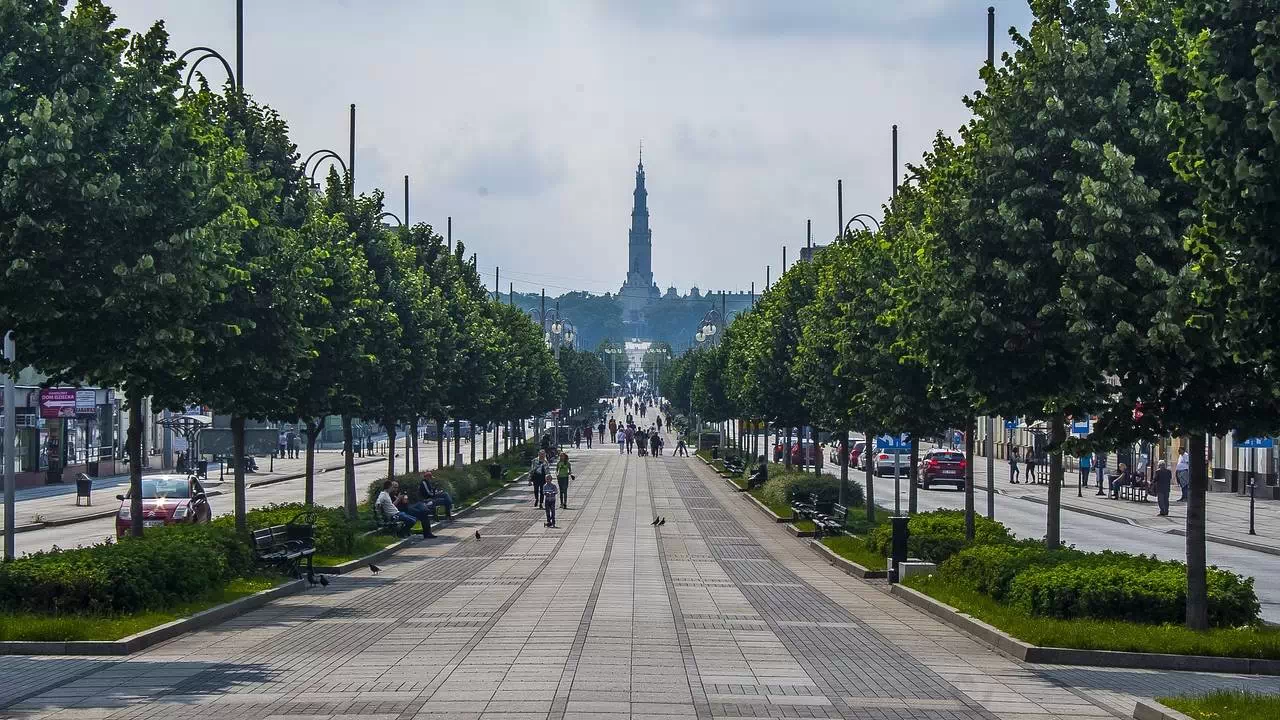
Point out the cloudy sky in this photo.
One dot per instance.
(522, 118)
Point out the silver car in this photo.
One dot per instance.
(884, 461)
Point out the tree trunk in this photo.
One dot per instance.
(913, 474)
(1057, 434)
(844, 469)
(390, 425)
(786, 450)
(439, 443)
(968, 478)
(133, 446)
(457, 441)
(1197, 589)
(817, 454)
(237, 451)
(869, 451)
(309, 489)
(472, 442)
(484, 444)
(348, 469)
(413, 430)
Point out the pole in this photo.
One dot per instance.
(991, 37)
(840, 207)
(808, 236)
(351, 152)
(767, 278)
(784, 259)
(239, 46)
(897, 487)
(449, 233)
(511, 294)
(1251, 497)
(10, 448)
(753, 293)
(991, 468)
(406, 201)
(496, 296)
(895, 161)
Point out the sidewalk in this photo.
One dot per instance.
(1226, 514)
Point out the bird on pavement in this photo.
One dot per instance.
(313, 581)
(663, 521)
(324, 581)
(477, 534)
(655, 520)
(374, 569)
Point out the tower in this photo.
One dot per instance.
(639, 289)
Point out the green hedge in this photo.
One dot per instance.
(334, 533)
(466, 482)
(784, 486)
(167, 566)
(1070, 584)
(937, 535)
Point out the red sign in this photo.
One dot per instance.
(57, 402)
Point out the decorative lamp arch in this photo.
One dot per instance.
(209, 53)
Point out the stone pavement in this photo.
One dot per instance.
(713, 615)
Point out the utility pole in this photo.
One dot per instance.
(10, 446)
(991, 421)
(839, 208)
(239, 47)
(351, 151)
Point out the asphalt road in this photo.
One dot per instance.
(1027, 519)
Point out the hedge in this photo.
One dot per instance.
(167, 566)
(334, 533)
(783, 487)
(937, 535)
(464, 482)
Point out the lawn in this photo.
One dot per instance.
(854, 548)
(365, 545)
(1226, 705)
(1248, 642)
(63, 628)
(804, 526)
(779, 509)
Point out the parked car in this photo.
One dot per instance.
(884, 462)
(942, 467)
(855, 460)
(166, 500)
(805, 452)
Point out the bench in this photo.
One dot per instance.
(832, 523)
(286, 546)
(734, 465)
(804, 509)
(390, 525)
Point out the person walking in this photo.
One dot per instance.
(291, 438)
(549, 503)
(659, 423)
(681, 449)
(613, 427)
(1163, 478)
(1031, 466)
(564, 473)
(587, 435)
(1183, 469)
(631, 437)
(1013, 465)
(577, 438)
(600, 428)
(538, 476)
(1085, 461)
(622, 440)
(654, 444)
(1100, 469)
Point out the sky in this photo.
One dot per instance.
(523, 119)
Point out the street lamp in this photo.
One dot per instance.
(709, 328)
(861, 219)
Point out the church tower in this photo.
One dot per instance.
(639, 289)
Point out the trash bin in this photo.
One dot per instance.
(84, 485)
(715, 452)
(202, 469)
(495, 471)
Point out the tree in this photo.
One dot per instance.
(585, 380)
(108, 183)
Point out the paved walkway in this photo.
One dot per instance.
(713, 615)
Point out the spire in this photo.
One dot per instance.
(641, 166)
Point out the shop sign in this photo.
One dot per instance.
(86, 402)
(57, 402)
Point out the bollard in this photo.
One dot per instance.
(899, 551)
(1251, 495)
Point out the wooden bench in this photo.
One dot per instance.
(286, 546)
(832, 523)
(392, 525)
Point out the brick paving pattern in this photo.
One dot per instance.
(713, 615)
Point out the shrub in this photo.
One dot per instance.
(937, 535)
(1146, 592)
(164, 567)
(783, 487)
(990, 568)
(334, 533)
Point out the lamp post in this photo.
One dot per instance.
(861, 219)
(10, 446)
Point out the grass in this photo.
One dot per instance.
(779, 509)
(63, 628)
(365, 545)
(1226, 705)
(804, 526)
(1247, 642)
(851, 547)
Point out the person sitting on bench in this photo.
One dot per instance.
(428, 491)
(424, 510)
(387, 506)
(1122, 479)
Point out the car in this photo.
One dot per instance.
(856, 460)
(884, 462)
(805, 452)
(940, 466)
(166, 500)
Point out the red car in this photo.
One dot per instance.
(942, 467)
(166, 500)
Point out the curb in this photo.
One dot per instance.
(399, 545)
(1152, 710)
(767, 512)
(1082, 510)
(1242, 544)
(158, 634)
(1026, 652)
(61, 522)
(844, 564)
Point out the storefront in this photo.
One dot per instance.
(62, 432)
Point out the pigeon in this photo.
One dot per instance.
(374, 569)
(655, 520)
(477, 534)
(324, 581)
(313, 581)
(663, 521)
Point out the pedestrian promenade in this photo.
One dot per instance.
(713, 614)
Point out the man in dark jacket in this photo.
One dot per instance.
(1163, 479)
(428, 491)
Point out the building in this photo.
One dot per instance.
(639, 290)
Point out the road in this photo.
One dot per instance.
(1086, 532)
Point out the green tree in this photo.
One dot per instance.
(585, 378)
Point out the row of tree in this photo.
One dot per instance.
(165, 241)
(1100, 241)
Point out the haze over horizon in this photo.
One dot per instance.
(523, 123)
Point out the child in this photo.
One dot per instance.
(549, 503)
